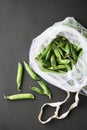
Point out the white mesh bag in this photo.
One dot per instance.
(75, 79)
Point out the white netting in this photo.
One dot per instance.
(75, 79)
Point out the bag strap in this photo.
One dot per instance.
(57, 105)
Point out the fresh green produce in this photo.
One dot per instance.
(53, 60)
(36, 89)
(31, 72)
(20, 96)
(48, 54)
(59, 56)
(19, 76)
(45, 88)
(34, 76)
(44, 53)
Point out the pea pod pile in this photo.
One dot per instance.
(45, 90)
(59, 56)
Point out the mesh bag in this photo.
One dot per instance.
(74, 80)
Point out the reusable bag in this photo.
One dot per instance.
(71, 81)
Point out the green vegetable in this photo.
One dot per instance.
(48, 70)
(72, 63)
(44, 63)
(19, 96)
(59, 67)
(45, 88)
(68, 67)
(44, 53)
(80, 52)
(35, 77)
(61, 44)
(59, 56)
(48, 55)
(36, 89)
(31, 72)
(73, 52)
(65, 61)
(62, 71)
(53, 60)
(67, 48)
(61, 52)
(19, 76)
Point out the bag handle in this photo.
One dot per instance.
(57, 105)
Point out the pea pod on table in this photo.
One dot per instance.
(36, 89)
(20, 96)
(45, 88)
(19, 76)
(31, 72)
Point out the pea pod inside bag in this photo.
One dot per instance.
(73, 80)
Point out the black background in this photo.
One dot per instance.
(20, 22)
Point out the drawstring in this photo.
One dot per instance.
(58, 106)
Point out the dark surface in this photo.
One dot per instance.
(20, 22)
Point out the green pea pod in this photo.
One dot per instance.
(36, 89)
(61, 52)
(48, 70)
(68, 67)
(56, 42)
(44, 63)
(48, 55)
(76, 47)
(80, 52)
(19, 76)
(72, 63)
(31, 72)
(44, 53)
(61, 44)
(62, 71)
(63, 49)
(45, 88)
(53, 60)
(58, 67)
(67, 47)
(65, 61)
(56, 52)
(20, 96)
(73, 52)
